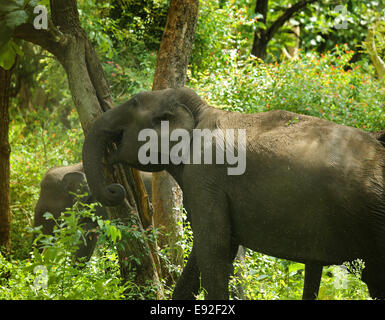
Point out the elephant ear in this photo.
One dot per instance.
(75, 181)
(178, 115)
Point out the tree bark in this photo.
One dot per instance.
(260, 42)
(91, 96)
(171, 67)
(5, 150)
(291, 52)
(370, 45)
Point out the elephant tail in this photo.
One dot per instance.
(94, 148)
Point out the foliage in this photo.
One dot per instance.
(45, 144)
(145, 19)
(326, 86)
(330, 22)
(53, 273)
(332, 79)
(125, 55)
(218, 29)
(231, 25)
(13, 14)
(127, 79)
(268, 278)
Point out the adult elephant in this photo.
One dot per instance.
(379, 135)
(57, 190)
(312, 191)
(313, 271)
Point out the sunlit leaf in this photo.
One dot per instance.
(7, 55)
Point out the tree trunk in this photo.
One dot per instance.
(5, 150)
(172, 62)
(370, 45)
(91, 96)
(260, 40)
(291, 52)
(263, 36)
(259, 48)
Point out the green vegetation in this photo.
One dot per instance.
(328, 86)
(332, 78)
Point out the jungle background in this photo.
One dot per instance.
(324, 59)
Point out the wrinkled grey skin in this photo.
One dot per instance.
(313, 272)
(55, 196)
(312, 192)
(379, 135)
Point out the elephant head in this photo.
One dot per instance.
(57, 193)
(56, 190)
(123, 124)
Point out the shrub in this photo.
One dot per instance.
(325, 86)
(53, 273)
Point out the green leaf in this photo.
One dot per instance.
(296, 266)
(48, 215)
(37, 255)
(17, 48)
(5, 33)
(10, 5)
(114, 233)
(50, 254)
(261, 277)
(33, 3)
(99, 287)
(9, 22)
(7, 56)
(16, 18)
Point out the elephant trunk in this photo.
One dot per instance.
(94, 148)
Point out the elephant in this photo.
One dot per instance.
(311, 191)
(313, 272)
(379, 135)
(56, 190)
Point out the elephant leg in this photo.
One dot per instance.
(313, 274)
(377, 290)
(373, 276)
(87, 248)
(215, 250)
(215, 271)
(187, 286)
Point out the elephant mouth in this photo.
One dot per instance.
(180, 147)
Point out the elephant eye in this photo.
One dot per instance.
(134, 102)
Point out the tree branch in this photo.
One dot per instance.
(370, 44)
(51, 39)
(289, 12)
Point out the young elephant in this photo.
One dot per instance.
(311, 190)
(56, 190)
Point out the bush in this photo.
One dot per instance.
(54, 274)
(269, 278)
(325, 86)
(39, 141)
